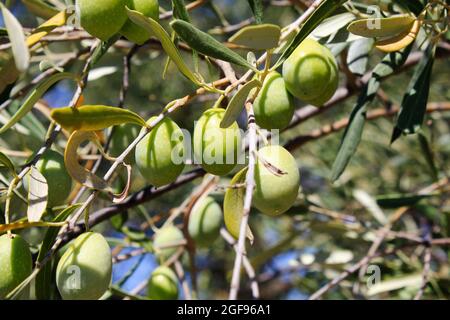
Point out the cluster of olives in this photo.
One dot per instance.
(105, 18)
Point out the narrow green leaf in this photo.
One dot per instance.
(414, 104)
(333, 24)
(257, 9)
(17, 38)
(206, 44)
(358, 55)
(180, 11)
(6, 162)
(382, 27)
(168, 46)
(233, 205)
(236, 104)
(400, 200)
(40, 8)
(94, 117)
(37, 195)
(44, 278)
(34, 96)
(259, 37)
(353, 132)
(326, 8)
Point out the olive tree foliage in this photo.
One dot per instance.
(335, 184)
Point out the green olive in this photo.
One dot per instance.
(311, 73)
(15, 262)
(273, 107)
(275, 192)
(59, 182)
(122, 137)
(84, 270)
(205, 221)
(216, 149)
(166, 240)
(133, 32)
(160, 155)
(163, 284)
(102, 18)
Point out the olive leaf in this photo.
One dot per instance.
(333, 24)
(44, 29)
(233, 206)
(206, 44)
(77, 171)
(236, 104)
(257, 9)
(94, 117)
(155, 28)
(358, 55)
(324, 9)
(84, 176)
(34, 96)
(258, 37)
(43, 281)
(401, 200)
(353, 132)
(179, 10)
(37, 195)
(414, 104)
(399, 41)
(382, 27)
(7, 163)
(40, 8)
(17, 39)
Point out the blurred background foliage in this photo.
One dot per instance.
(296, 253)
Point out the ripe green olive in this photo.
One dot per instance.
(133, 32)
(122, 137)
(216, 149)
(275, 193)
(15, 262)
(311, 73)
(273, 106)
(84, 270)
(102, 18)
(166, 240)
(163, 284)
(160, 155)
(52, 167)
(205, 221)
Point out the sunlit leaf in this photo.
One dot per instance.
(37, 195)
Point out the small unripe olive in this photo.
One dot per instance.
(166, 242)
(133, 32)
(102, 18)
(160, 155)
(215, 148)
(15, 263)
(275, 192)
(205, 221)
(273, 106)
(163, 284)
(84, 270)
(311, 73)
(52, 167)
(122, 137)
